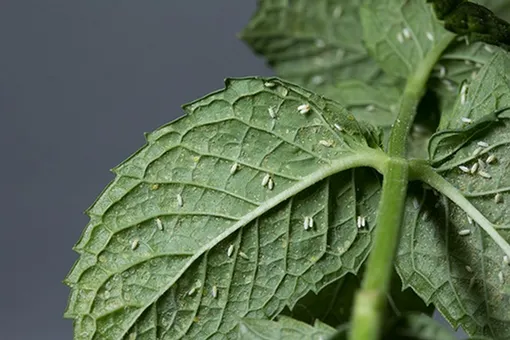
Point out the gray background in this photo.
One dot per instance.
(80, 81)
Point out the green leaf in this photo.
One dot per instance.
(160, 235)
(332, 305)
(465, 276)
(285, 328)
(400, 33)
(314, 46)
(419, 327)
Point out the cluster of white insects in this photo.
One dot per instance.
(480, 166)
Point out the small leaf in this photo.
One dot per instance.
(284, 329)
(400, 33)
(216, 243)
(447, 260)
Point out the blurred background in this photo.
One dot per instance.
(80, 81)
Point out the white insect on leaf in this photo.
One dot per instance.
(265, 180)
(466, 120)
(474, 168)
(180, 202)
(498, 198)
(338, 127)
(416, 204)
(488, 48)
(310, 222)
(230, 250)
(243, 255)
(477, 151)
(337, 12)
(234, 168)
(506, 260)
(464, 232)
(406, 32)
(272, 112)
(430, 36)
(484, 174)
(370, 108)
(134, 244)
(214, 292)
(400, 37)
(269, 84)
(306, 223)
(159, 223)
(326, 143)
(482, 144)
(303, 108)
(270, 184)
(464, 168)
(463, 93)
(490, 159)
(469, 269)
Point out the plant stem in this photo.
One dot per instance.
(370, 303)
(414, 90)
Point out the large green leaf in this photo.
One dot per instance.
(285, 329)
(400, 33)
(465, 276)
(188, 214)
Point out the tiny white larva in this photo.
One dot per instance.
(370, 108)
(498, 198)
(214, 292)
(243, 255)
(470, 220)
(230, 250)
(483, 144)
(358, 222)
(310, 222)
(466, 120)
(269, 84)
(416, 204)
(430, 36)
(477, 151)
(338, 127)
(180, 202)
(469, 269)
(506, 260)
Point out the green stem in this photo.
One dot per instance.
(371, 300)
(414, 90)
(370, 303)
(420, 170)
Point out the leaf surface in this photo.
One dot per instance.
(320, 47)
(465, 275)
(285, 329)
(204, 224)
(400, 33)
